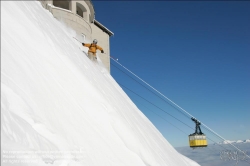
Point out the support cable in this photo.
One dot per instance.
(170, 115)
(154, 105)
(152, 92)
(191, 116)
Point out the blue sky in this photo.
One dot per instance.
(195, 53)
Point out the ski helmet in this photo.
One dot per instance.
(95, 41)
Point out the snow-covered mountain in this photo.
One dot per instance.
(234, 142)
(59, 108)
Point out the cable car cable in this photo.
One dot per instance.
(152, 92)
(160, 98)
(173, 117)
(161, 110)
(176, 104)
(164, 119)
(153, 88)
(168, 121)
(154, 105)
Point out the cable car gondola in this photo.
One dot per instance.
(197, 139)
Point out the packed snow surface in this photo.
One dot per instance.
(60, 108)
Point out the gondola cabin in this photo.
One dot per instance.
(197, 139)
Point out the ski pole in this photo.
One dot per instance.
(77, 40)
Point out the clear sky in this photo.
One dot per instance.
(195, 53)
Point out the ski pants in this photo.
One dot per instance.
(92, 56)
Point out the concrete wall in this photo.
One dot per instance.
(79, 15)
(81, 25)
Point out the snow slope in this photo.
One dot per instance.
(59, 108)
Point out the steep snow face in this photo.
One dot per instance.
(58, 107)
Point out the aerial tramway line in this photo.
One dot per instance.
(196, 139)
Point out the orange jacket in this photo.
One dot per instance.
(92, 47)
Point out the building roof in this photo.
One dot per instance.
(102, 27)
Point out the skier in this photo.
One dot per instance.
(92, 49)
